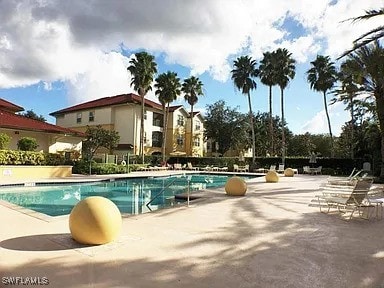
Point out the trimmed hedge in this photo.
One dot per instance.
(17, 157)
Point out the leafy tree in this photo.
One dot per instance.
(27, 144)
(167, 89)
(301, 145)
(370, 36)
(369, 63)
(4, 141)
(143, 69)
(192, 88)
(286, 71)
(268, 68)
(322, 76)
(243, 75)
(226, 126)
(33, 115)
(98, 137)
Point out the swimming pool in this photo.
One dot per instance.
(131, 195)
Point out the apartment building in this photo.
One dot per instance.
(50, 138)
(122, 113)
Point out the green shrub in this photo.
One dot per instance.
(27, 144)
(4, 140)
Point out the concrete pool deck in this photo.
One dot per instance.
(268, 238)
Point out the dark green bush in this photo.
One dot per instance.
(27, 144)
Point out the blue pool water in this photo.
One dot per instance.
(130, 195)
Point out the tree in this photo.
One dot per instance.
(167, 89)
(4, 141)
(143, 69)
(267, 76)
(369, 62)
(370, 36)
(243, 75)
(347, 93)
(192, 88)
(321, 77)
(98, 137)
(226, 126)
(27, 144)
(33, 115)
(285, 72)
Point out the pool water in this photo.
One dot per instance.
(132, 196)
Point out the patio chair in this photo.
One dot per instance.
(306, 170)
(281, 168)
(190, 167)
(244, 169)
(272, 168)
(343, 198)
(225, 168)
(349, 180)
(235, 168)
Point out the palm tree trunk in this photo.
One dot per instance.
(141, 149)
(252, 129)
(191, 140)
(352, 128)
(282, 126)
(164, 140)
(329, 122)
(271, 148)
(380, 115)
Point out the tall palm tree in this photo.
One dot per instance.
(268, 77)
(192, 88)
(168, 87)
(347, 92)
(370, 36)
(321, 77)
(243, 75)
(143, 69)
(285, 71)
(369, 61)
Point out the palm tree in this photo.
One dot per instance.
(192, 88)
(321, 77)
(370, 36)
(242, 75)
(347, 93)
(143, 69)
(369, 63)
(268, 77)
(285, 71)
(167, 89)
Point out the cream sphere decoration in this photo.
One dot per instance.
(95, 220)
(272, 177)
(289, 172)
(235, 186)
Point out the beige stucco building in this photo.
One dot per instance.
(122, 113)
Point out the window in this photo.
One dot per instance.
(180, 140)
(157, 120)
(180, 120)
(145, 114)
(91, 116)
(157, 138)
(196, 142)
(197, 125)
(78, 118)
(145, 137)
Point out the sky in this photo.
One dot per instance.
(55, 54)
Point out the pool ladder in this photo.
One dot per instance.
(162, 191)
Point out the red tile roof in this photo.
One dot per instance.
(13, 121)
(108, 101)
(173, 108)
(5, 105)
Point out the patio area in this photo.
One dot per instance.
(268, 238)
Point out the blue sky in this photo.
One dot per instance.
(54, 54)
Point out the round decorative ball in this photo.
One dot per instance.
(95, 220)
(289, 172)
(235, 186)
(271, 177)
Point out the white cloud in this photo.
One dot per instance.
(78, 42)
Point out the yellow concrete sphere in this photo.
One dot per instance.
(95, 220)
(289, 172)
(272, 177)
(235, 186)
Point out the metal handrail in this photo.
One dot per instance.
(161, 192)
